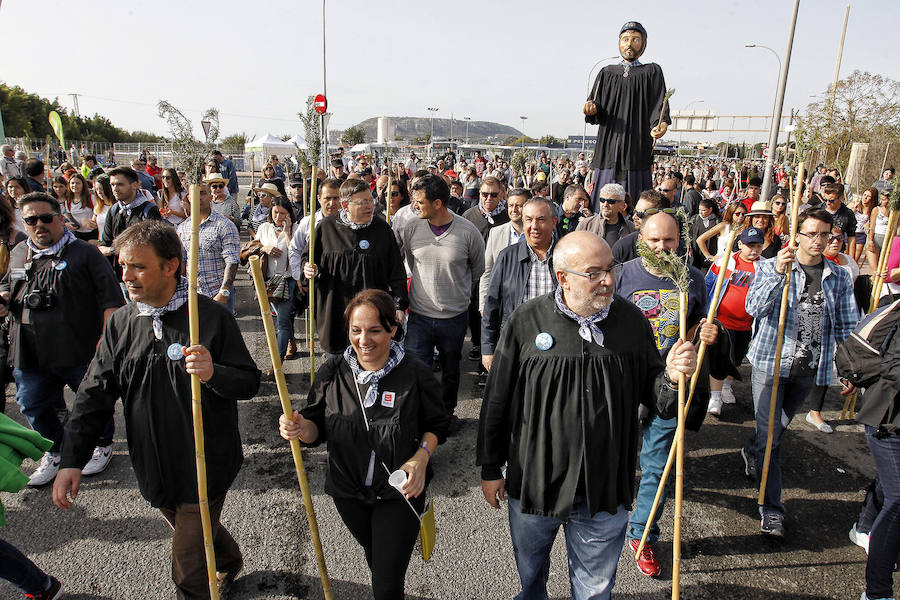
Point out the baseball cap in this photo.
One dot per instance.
(752, 235)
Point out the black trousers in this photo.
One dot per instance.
(387, 531)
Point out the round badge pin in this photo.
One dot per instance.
(175, 351)
(543, 341)
(364, 244)
(61, 265)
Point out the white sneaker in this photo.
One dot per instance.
(823, 426)
(99, 461)
(728, 396)
(715, 406)
(46, 471)
(860, 539)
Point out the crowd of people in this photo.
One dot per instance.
(575, 328)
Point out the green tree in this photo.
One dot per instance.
(550, 141)
(234, 143)
(353, 135)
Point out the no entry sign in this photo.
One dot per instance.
(320, 104)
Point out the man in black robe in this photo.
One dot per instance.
(626, 102)
(146, 358)
(561, 410)
(353, 251)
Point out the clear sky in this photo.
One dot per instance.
(491, 60)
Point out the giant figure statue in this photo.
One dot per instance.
(626, 101)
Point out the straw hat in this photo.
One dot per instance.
(215, 178)
(268, 188)
(760, 208)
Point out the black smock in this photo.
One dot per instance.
(349, 261)
(408, 406)
(627, 109)
(156, 396)
(565, 419)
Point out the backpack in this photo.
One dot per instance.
(858, 358)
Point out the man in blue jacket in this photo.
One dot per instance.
(522, 272)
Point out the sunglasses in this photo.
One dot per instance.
(641, 214)
(779, 204)
(217, 186)
(490, 194)
(45, 218)
(609, 200)
(666, 190)
(394, 194)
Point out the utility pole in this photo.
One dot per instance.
(432, 110)
(779, 104)
(523, 131)
(75, 101)
(451, 127)
(467, 129)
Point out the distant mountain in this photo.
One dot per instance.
(409, 128)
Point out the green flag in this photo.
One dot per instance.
(56, 124)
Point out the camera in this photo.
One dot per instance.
(40, 300)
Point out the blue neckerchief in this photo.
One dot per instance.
(587, 326)
(67, 238)
(396, 355)
(178, 299)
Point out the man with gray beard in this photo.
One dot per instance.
(570, 370)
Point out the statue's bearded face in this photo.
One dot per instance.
(631, 44)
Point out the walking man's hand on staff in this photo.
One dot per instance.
(682, 358)
(784, 259)
(660, 130)
(310, 271)
(709, 332)
(590, 109)
(65, 487)
(198, 361)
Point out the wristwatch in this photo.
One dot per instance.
(225, 292)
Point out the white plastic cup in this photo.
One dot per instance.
(397, 479)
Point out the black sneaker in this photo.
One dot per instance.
(772, 523)
(749, 465)
(475, 353)
(51, 593)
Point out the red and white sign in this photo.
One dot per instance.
(206, 126)
(320, 104)
(765, 152)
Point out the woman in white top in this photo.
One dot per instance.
(103, 200)
(862, 210)
(81, 209)
(275, 236)
(171, 197)
(878, 224)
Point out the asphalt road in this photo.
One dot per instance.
(112, 545)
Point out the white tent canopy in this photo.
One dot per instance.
(268, 144)
(299, 141)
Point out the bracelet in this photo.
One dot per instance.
(424, 447)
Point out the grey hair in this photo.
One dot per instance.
(5, 147)
(612, 190)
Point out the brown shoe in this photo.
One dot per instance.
(291, 349)
(225, 580)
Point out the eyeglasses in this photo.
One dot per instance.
(667, 190)
(217, 186)
(826, 236)
(641, 214)
(597, 275)
(489, 194)
(361, 202)
(779, 204)
(836, 237)
(45, 218)
(609, 200)
(394, 194)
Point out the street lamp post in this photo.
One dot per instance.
(467, 128)
(523, 131)
(432, 110)
(590, 83)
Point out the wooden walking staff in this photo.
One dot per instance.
(701, 353)
(265, 311)
(679, 457)
(196, 407)
(388, 198)
(312, 282)
(779, 342)
(893, 219)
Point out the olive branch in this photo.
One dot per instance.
(668, 263)
(189, 153)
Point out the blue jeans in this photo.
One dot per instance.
(423, 334)
(284, 322)
(17, 569)
(593, 545)
(884, 540)
(657, 441)
(792, 392)
(39, 393)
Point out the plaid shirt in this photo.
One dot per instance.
(220, 245)
(540, 282)
(764, 304)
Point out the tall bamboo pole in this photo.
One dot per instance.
(388, 197)
(701, 354)
(312, 282)
(779, 343)
(265, 312)
(837, 65)
(196, 406)
(679, 459)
